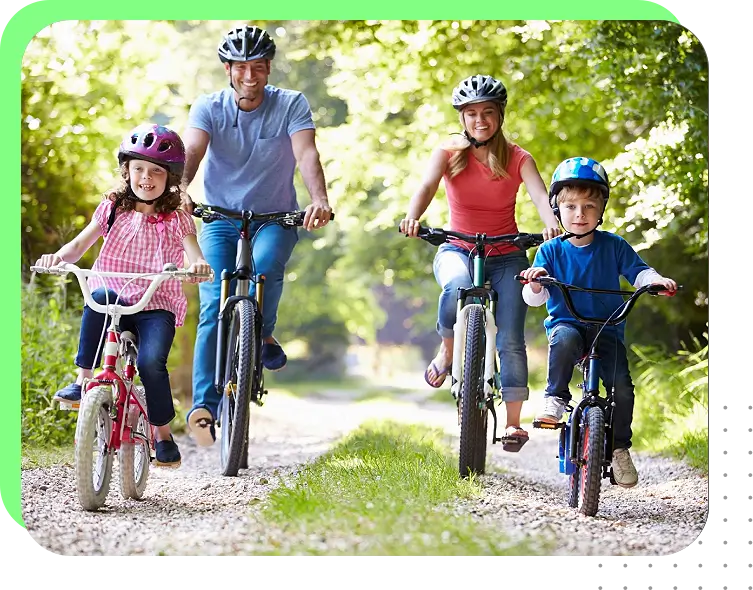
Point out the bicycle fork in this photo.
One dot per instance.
(460, 335)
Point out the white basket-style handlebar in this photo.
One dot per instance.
(170, 271)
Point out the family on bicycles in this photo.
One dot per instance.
(252, 136)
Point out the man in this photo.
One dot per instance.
(253, 135)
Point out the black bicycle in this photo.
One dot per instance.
(239, 375)
(586, 439)
(475, 378)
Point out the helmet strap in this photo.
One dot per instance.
(477, 144)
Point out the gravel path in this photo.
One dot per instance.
(195, 511)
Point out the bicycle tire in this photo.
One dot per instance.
(471, 393)
(479, 459)
(592, 445)
(574, 478)
(133, 461)
(239, 366)
(94, 425)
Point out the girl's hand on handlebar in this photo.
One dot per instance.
(49, 260)
(410, 227)
(551, 232)
(199, 267)
(532, 273)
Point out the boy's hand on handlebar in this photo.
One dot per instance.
(551, 232)
(317, 216)
(200, 267)
(532, 273)
(410, 227)
(669, 284)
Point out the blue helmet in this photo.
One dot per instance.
(578, 171)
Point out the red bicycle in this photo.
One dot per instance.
(112, 413)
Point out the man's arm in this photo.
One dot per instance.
(305, 152)
(196, 142)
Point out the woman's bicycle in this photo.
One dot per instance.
(586, 438)
(239, 375)
(475, 377)
(112, 413)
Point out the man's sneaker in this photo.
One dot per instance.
(166, 453)
(623, 470)
(201, 426)
(71, 393)
(273, 357)
(554, 407)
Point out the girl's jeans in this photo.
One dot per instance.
(451, 272)
(272, 249)
(155, 330)
(567, 344)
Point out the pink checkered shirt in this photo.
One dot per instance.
(137, 244)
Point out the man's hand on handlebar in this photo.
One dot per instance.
(532, 273)
(317, 216)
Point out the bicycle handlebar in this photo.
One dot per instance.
(565, 289)
(438, 236)
(170, 271)
(210, 213)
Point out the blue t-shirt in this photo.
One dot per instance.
(251, 166)
(596, 266)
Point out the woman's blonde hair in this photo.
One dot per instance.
(168, 202)
(499, 152)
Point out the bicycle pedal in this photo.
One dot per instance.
(548, 425)
(69, 406)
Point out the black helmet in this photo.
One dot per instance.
(479, 88)
(246, 43)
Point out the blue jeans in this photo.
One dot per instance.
(218, 241)
(451, 272)
(155, 330)
(567, 344)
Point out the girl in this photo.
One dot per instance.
(482, 172)
(143, 229)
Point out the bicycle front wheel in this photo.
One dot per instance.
(592, 449)
(472, 407)
(239, 368)
(93, 456)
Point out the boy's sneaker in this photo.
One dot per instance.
(201, 426)
(623, 470)
(554, 408)
(273, 357)
(71, 393)
(167, 453)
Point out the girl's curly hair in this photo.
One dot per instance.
(168, 202)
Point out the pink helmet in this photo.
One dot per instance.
(154, 143)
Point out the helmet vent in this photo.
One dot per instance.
(164, 145)
(148, 139)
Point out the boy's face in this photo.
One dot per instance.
(580, 213)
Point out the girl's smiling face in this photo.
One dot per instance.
(147, 180)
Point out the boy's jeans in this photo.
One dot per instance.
(566, 346)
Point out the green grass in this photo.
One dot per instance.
(386, 489)
(693, 448)
(36, 457)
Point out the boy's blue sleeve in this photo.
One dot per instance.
(542, 257)
(630, 264)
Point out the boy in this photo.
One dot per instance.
(592, 259)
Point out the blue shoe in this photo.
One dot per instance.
(273, 357)
(71, 393)
(166, 453)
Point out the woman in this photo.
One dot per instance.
(482, 173)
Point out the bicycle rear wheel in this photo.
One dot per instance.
(133, 460)
(592, 449)
(472, 417)
(93, 456)
(239, 367)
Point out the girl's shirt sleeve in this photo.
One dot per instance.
(102, 214)
(185, 225)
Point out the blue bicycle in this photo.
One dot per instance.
(586, 438)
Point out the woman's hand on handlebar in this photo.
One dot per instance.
(532, 273)
(551, 232)
(410, 227)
